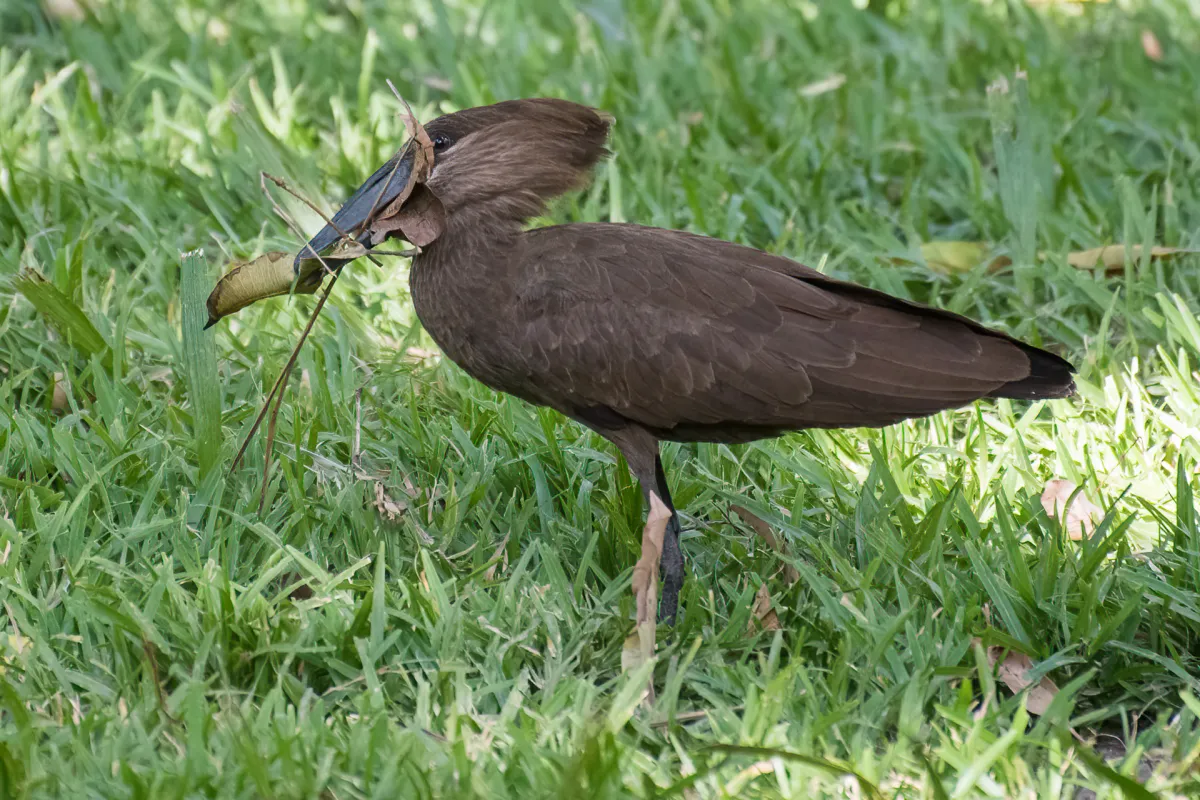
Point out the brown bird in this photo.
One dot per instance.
(645, 335)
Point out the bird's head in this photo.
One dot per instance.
(500, 162)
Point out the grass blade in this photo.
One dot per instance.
(61, 312)
(200, 362)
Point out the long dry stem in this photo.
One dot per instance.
(281, 382)
(280, 385)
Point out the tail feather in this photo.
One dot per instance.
(1049, 377)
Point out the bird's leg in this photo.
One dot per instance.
(640, 449)
(672, 556)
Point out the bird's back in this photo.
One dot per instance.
(698, 339)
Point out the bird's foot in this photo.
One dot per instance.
(672, 576)
(668, 606)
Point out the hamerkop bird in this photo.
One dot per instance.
(645, 335)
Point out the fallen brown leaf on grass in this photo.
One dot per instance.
(1151, 46)
(1014, 673)
(1112, 257)
(388, 508)
(639, 646)
(297, 585)
(764, 611)
(1081, 513)
(763, 529)
(956, 257)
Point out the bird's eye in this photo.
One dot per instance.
(440, 142)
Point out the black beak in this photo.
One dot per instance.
(356, 214)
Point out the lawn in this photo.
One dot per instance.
(434, 600)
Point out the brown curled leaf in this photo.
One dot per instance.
(420, 221)
(1111, 258)
(1015, 671)
(763, 529)
(388, 507)
(422, 147)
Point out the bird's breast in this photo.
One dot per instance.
(465, 315)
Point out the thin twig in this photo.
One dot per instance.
(271, 422)
(403, 102)
(399, 253)
(257, 422)
(287, 369)
(277, 390)
(341, 234)
(281, 381)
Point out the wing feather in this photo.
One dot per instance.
(683, 334)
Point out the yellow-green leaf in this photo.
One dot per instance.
(1112, 257)
(269, 275)
(953, 257)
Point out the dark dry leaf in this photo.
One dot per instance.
(422, 162)
(297, 585)
(420, 221)
(387, 507)
(416, 132)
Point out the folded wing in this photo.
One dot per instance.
(695, 338)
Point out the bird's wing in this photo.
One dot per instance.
(683, 333)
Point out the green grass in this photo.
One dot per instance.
(153, 639)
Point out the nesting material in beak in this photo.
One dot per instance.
(391, 183)
(380, 206)
(392, 202)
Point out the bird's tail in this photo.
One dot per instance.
(1049, 377)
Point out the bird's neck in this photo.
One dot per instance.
(478, 242)
(462, 287)
(466, 271)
